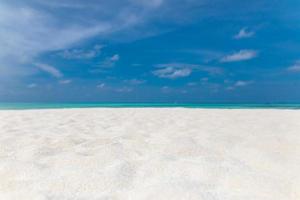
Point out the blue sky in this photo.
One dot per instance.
(150, 51)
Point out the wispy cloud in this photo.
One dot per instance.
(110, 61)
(244, 33)
(242, 83)
(42, 27)
(240, 56)
(180, 70)
(101, 85)
(49, 69)
(60, 24)
(295, 67)
(172, 73)
(115, 58)
(23, 43)
(80, 53)
(238, 84)
(64, 82)
(174, 70)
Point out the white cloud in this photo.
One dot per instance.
(114, 58)
(101, 85)
(42, 26)
(110, 61)
(172, 73)
(295, 67)
(50, 70)
(242, 83)
(33, 31)
(68, 81)
(237, 84)
(244, 33)
(30, 28)
(180, 70)
(80, 53)
(240, 56)
(174, 70)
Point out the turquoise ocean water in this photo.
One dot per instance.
(24, 106)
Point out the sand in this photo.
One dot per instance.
(150, 153)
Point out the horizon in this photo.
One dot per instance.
(33, 106)
(184, 51)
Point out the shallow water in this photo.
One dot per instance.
(23, 106)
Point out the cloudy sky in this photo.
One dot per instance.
(149, 51)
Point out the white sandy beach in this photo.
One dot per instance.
(150, 153)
